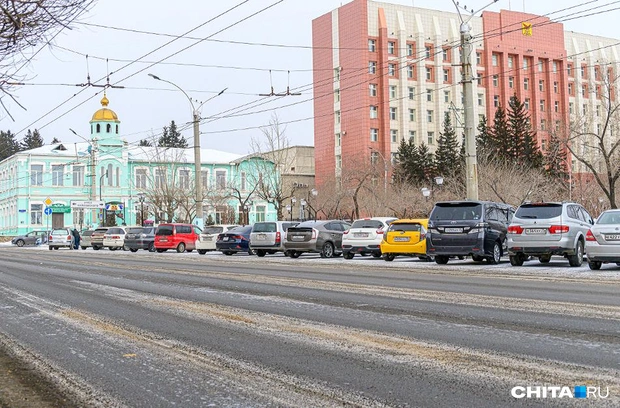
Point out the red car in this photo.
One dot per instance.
(181, 237)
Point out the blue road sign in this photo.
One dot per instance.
(48, 211)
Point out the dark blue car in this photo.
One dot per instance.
(235, 240)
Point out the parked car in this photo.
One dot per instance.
(96, 238)
(365, 236)
(268, 236)
(114, 238)
(603, 240)
(140, 238)
(85, 239)
(324, 237)
(208, 236)
(548, 228)
(60, 238)
(468, 228)
(235, 240)
(181, 237)
(36, 237)
(405, 237)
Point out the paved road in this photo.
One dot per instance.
(145, 330)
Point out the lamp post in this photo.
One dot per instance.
(293, 201)
(103, 211)
(312, 195)
(141, 197)
(385, 168)
(197, 160)
(289, 209)
(302, 209)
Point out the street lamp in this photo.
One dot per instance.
(293, 201)
(289, 209)
(141, 197)
(385, 168)
(302, 209)
(197, 161)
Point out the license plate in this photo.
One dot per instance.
(261, 237)
(225, 239)
(454, 230)
(209, 238)
(163, 240)
(360, 235)
(297, 237)
(612, 237)
(401, 239)
(536, 231)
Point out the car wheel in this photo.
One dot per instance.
(181, 248)
(328, 250)
(96, 248)
(202, 251)
(56, 248)
(125, 248)
(376, 254)
(442, 259)
(595, 265)
(84, 248)
(517, 260)
(294, 254)
(388, 257)
(577, 259)
(251, 251)
(51, 247)
(497, 254)
(477, 258)
(545, 259)
(260, 253)
(348, 255)
(151, 247)
(20, 243)
(228, 253)
(160, 250)
(133, 249)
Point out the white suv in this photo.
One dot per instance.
(365, 236)
(545, 229)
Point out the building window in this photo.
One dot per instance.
(393, 93)
(526, 63)
(391, 69)
(391, 46)
(584, 109)
(478, 58)
(338, 140)
(411, 115)
(337, 74)
(429, 116)
(58, 175)
(526, 83)
(374, 157)
(430, 138)
(570, 88)
(495, 81)
(372, 45)
(110, 175)
(78, 176)
(480, 100)
(220, 179)
(446, 75)
(36, 214)
(541, 85)
(429, 74)
(569, 70)
(412, 136)
(374, 135)
(540, 66)
(542, 105)
(373, 89)
(372, 67)
(392, 113)
(204, 176)
(584, 91)
(98, 128)
(141, 178)
(496, 101)
(184, 179)
(556, 106)
(160, 178)
(543, 124)
(494, 59)
(555, 87)
(429, 95)
(410, 71)
(445, 55)
(526, 103)
(338, 162)
(337, 116)
(583, 72)
(394, 135)
(511, 61)
(598, 110)
(373, 112)
(511, 82)
(243, 181)
(571, 107)
(411, 92)
(337, 95)
(555, 67)
(446, 96)
(428, 50)
(410, 50)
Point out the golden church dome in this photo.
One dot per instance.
(105, 114)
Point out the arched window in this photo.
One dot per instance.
(118, 176)
(91, 129)
(110, 175)
(108, 128)
(117, 129)
(98, 128)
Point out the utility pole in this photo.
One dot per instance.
(471, 160)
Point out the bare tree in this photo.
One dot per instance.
(25, 24)
(592, 137)
(274, 149)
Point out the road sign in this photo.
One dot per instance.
(60, 208)
(88, 204)
(48, 201)
(47, 211)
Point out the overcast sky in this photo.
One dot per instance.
(280, 37)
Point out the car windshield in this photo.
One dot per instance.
(265, 227)
(134, 230)
(374, 224)
(164, 230)
(539, 211)
(409, 227)
(457, 211)
(612, 217)
(59, 232)
(213, 230)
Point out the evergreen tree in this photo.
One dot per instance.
(523, 141)
(172, 138)
(499, 146)
(447, 161)
(483, 138)
(32, 140)
(8, 145)
(145, 143)
(425, 170)
(405, 157)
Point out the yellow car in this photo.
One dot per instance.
(405, 237)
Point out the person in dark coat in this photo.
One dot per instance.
(76, 239)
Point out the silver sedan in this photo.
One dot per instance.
(603, 240)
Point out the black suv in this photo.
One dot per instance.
(468, 228)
